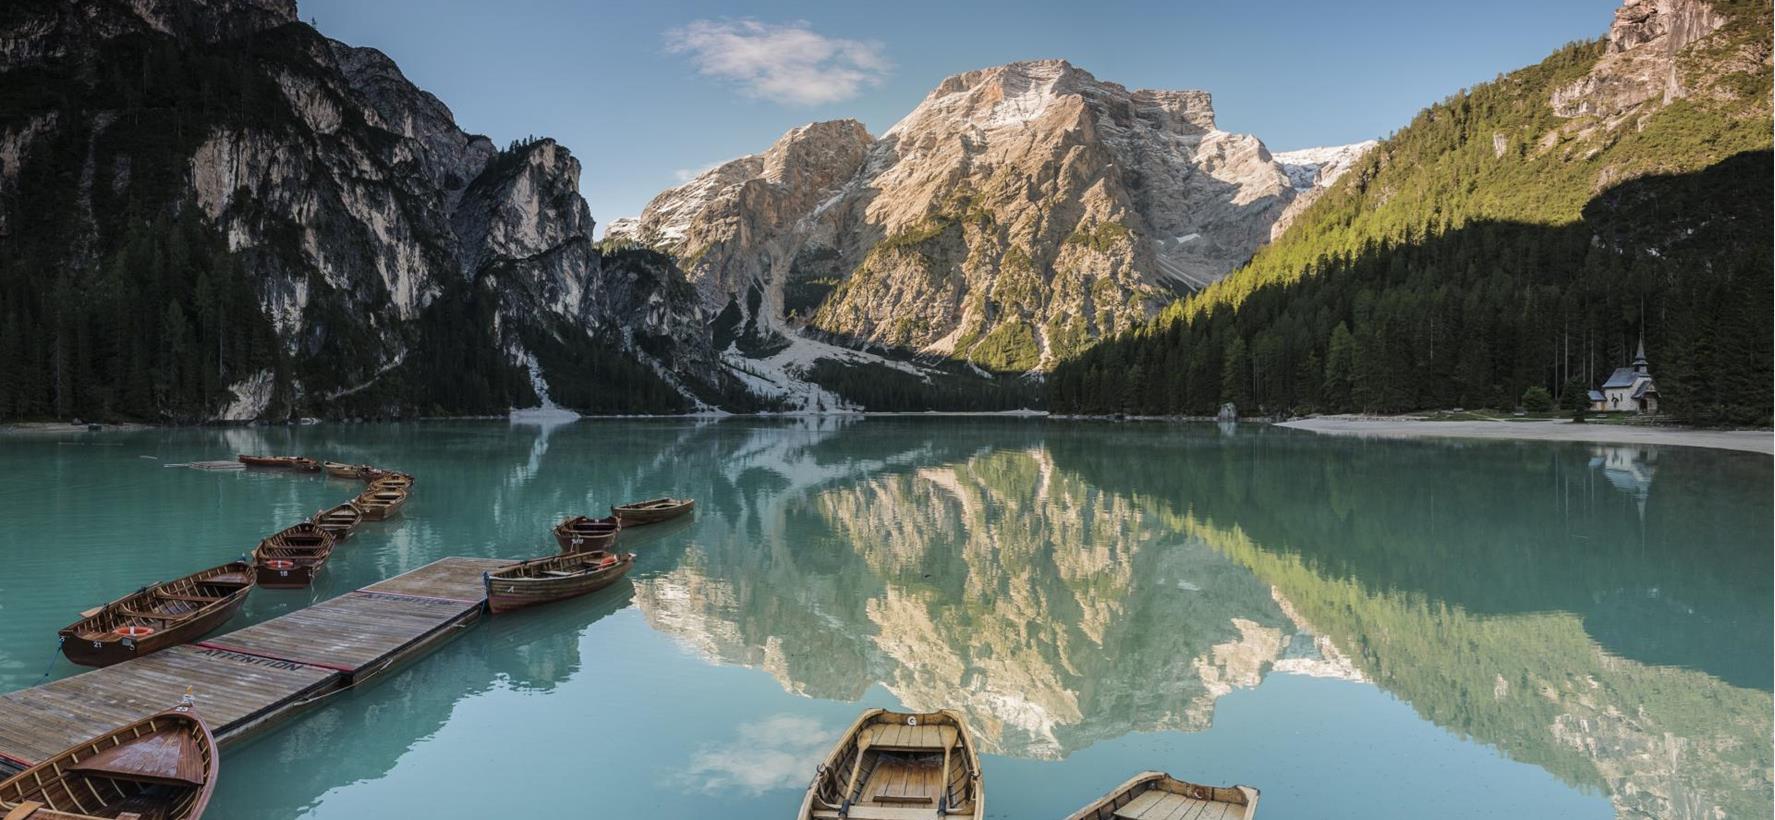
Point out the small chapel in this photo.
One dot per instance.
(1629, 389)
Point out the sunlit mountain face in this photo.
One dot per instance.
(1064, 587)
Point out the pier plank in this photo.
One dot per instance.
(256, 673)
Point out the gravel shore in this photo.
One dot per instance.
(1749, 441)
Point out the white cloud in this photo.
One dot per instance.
(787, 63)
(777, 752)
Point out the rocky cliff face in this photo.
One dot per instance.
(1015, 215)
(374, 230)
(1640, 62)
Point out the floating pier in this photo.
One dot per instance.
(253, 677)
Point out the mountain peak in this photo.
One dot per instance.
(1021, 92)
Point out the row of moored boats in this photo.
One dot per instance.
(184, 609)
(165, 766)
(897, 766)
(587, 561)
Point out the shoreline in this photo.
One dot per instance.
(1388, 427)
(1745, 441)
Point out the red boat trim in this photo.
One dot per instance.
(20, 762)
(222, 647)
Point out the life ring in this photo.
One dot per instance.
(607, 562)
(133, 631)
(280, 563)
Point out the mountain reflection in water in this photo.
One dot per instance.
(1599, 616)
(1060, 590)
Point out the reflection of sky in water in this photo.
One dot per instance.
(1536, 630)
(777, 752)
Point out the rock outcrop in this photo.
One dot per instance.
(1640, 61)
(1014, 216)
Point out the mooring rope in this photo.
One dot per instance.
(52, 657)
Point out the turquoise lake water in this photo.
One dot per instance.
(1360, 629)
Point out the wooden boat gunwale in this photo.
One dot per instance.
(386, 479)
(652, 511)
(604, 536)
(305, 561)
(845, 761)
(378, 504)
(339, 469)
(97, 639)
(339, 532)
(58, 770)
(1105, 807)
(522, 584)
(265, 461)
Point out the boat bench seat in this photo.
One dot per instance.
(1156, 804)
(908, 738)
(155, 616)
(868, 812)
(555, 573)
(195, 599)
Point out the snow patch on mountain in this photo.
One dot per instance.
(1310, 168)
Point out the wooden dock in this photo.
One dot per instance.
(250, 678)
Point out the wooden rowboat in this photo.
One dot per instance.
(159, 616)
(338, 470)
(652, 512)
(585, 534)
(1156, 794)
(304, 464)
(554, 578)
(162, 767)
(391, 481)
(339, 521)
(267, 461)
(290, 559)
(379, 504)
(896, 766)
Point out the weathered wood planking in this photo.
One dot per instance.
(452, 578)
(252, 675)
(231, 689)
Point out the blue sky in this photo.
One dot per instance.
(645, 92)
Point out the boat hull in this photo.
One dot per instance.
(896, 751)
(339, 522)
(380, 505)
(291, 558)
(107, 652)
(95, 641)
(81, 776)
(266, 461)
(295, 577)
(635, 515)
(587, 535)
(509, 594)
(1151, 794)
